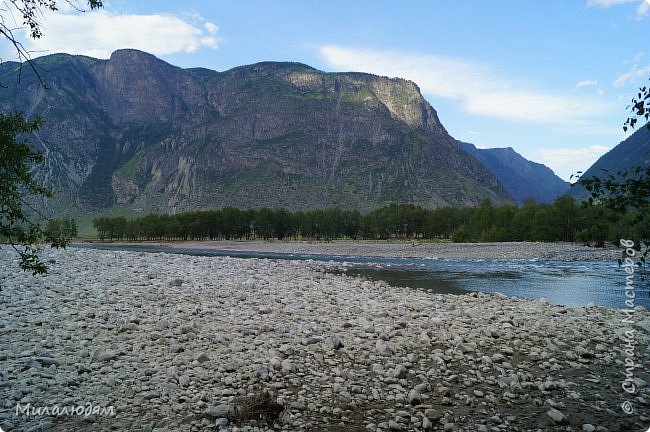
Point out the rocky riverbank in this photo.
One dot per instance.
(414, 249)
(181, 343)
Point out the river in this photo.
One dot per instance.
(570, 283)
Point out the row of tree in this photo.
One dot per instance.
(563, 220)
(61, 228)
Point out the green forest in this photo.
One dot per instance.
(563, 220)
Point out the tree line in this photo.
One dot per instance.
(563, 220)
(61, 228)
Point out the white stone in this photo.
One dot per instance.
(556, 416)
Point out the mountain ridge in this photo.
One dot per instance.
(521, 177)
(137, 132)
(628, 154)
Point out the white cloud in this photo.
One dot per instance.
(211, 28)
(642, 10)
(441, 76)
(608, 3)
(587, 83)
(591, 83)
(530, 106)
(632, 76)
(637, 58)
(477, 89)
(567, 161)
(99, 33)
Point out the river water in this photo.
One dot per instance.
(570, 283)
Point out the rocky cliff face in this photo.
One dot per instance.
(137, 132)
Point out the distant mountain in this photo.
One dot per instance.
(633, 152)
(136, 132)
(519, 176)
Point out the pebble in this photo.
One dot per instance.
(400, 371)
(219, 410)
(556, 416)
(184, 380)
(336, 342)
(288, 366)
(202, 358)
(106, 356)
(414, 397)
(176, 283)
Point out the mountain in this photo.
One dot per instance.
(630, 153)
(519, 176)
(133, 131)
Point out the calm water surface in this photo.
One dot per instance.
(575, 283)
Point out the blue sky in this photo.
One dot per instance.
(552, 79)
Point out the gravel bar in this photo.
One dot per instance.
(502, 250)
(166, 342)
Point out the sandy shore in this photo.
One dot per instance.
(180, 343)
(506, 250)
